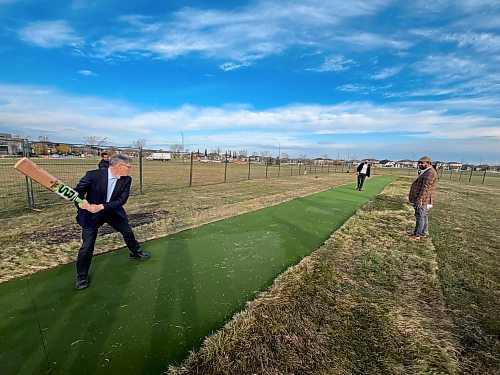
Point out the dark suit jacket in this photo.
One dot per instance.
(93, 187)
(360, 167)
(103, 164)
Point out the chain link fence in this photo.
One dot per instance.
(173, 171)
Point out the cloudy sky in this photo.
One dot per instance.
(375, 78)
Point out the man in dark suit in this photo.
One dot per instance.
(362, 171)
(104, 163)
(106, 190)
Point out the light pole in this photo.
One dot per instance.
(182, 141)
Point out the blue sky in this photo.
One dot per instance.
(378, 78)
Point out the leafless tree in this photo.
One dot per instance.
(243, 153)
(94, 140)
(176, 148)
(138, 143)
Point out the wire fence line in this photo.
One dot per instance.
(184, 170)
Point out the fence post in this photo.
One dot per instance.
(484, 176)
(279, 166)
(460, 177)
(249, 168)
(140, 170)
(451, 173)
(300, 167)
(267, 166)
(191, 171)
(471, 170)
(225, 167)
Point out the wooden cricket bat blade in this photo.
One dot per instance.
(36, 173)
(44, 178)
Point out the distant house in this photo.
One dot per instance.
(322, 161)
(453, 165)
(10, 145)
(388, 164)
(407, 163)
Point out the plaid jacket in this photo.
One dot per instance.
(424, 188)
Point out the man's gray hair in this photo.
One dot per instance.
(117, 159)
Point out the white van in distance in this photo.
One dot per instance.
(163, 156)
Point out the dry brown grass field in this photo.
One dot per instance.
(368, 301)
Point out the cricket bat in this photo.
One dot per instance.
(44, 178)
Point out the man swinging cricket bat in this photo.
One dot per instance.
(106, 191)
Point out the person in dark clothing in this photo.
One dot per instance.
(104, 163)
(362, 171)
(105, 191)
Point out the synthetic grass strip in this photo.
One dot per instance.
(138, 317)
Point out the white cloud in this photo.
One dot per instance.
(228, 66)
(49, 34)
(482, 42)
(247, 34)
(450, 67)
(88, 73)
(26, 108)
(387, 72)
(334, 64)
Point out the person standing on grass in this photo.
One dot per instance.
(422, 196)
(362, 171)
(104, 163)
(105, 190)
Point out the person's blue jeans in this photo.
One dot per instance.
(422, 221)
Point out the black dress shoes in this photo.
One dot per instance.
(139, 255)
(82, 282)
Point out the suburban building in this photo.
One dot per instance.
(10, 145)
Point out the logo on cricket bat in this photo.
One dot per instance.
(66, 192)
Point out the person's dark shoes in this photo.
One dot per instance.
(82, 282)
(139, 255)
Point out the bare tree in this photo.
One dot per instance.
(176, 148)
(43, 138)
(94, 140)
(265, 154)
(243, 153)
(138, 143)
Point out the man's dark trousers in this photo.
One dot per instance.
(361, 180)
(89, 236)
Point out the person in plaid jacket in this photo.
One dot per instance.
(422, 196)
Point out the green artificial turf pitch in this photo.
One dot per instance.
(138, 317)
